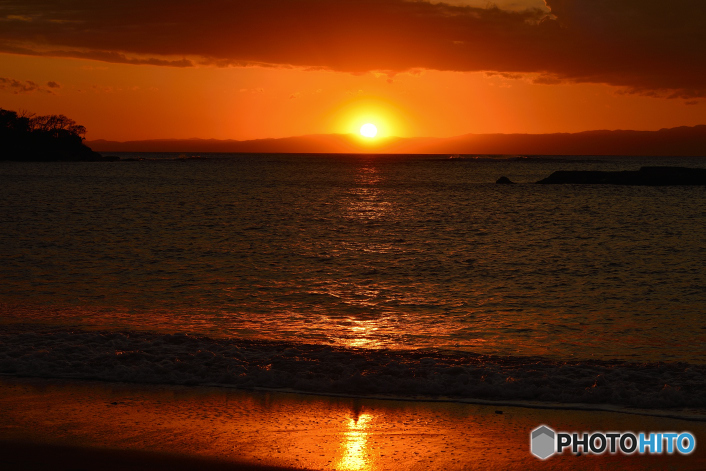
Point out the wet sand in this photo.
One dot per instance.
(90, 425)
(19, 456)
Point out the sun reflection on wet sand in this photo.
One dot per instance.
(356, 456)
(309, 432)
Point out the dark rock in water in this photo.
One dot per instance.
(504, 181)
(646, 176)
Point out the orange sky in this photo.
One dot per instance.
(274, 68)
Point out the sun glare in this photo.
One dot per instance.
(368, 130)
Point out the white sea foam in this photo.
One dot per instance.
(191, 360)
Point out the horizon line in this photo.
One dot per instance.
(372, 140)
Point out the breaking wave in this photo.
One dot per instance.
(184, 359)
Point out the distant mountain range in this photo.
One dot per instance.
(680, 141)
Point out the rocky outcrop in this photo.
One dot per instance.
(504, 181)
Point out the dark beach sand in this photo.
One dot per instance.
(99, 426)
(40, 456)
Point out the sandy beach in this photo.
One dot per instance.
(51, 424)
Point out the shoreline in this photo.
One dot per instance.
(181, 359)
(699, 416)
(691, 415)
(223, 428)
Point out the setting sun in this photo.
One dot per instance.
(368, 130)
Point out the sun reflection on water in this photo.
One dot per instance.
(362, 334)
(368, 202)
(356, 455)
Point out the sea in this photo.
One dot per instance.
(394, 275)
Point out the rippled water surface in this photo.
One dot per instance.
(362, 251)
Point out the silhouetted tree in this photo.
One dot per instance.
(26, 136)
(56, 125)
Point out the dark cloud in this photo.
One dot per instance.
(104, 56)
(119, 58)
(22, 86)
(646, 46)
(547, 79)
(505, 75)
(52, 84)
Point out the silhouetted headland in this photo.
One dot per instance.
(31, 138)
(504, 181)
(646, 176)
(681, 141)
